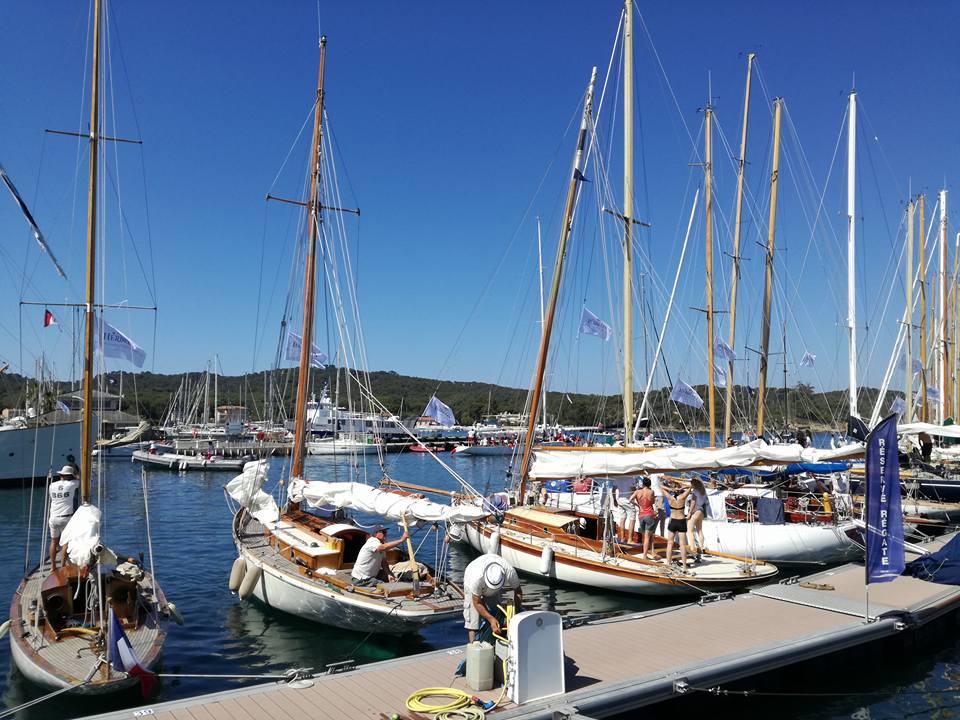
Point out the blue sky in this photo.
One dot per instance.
(448, 117)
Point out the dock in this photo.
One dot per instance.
(715, 641)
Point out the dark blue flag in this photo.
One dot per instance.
(885, 559)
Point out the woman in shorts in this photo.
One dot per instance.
(677, 525)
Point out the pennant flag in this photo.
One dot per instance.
(683, 393)
(30, 221)
(294, 346)
(723, 351)
(719, 376)
(590, 324)
(63, 407)
(123, 658)
(898, 406)
(808, 359)
(568, 398)
(917, 366)
(579, 175)
(113, 343)
(49, 319)
(439, 412)
(885, 559)
(857, 428)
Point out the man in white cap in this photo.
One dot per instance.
(63, 503)
(368, 568)
(484, 581)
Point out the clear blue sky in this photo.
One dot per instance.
(447, 116)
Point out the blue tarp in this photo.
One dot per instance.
(943, 566)
(770, 511)
(795, 468)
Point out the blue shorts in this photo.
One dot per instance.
(647, 523)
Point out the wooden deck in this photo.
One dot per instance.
(623, 662)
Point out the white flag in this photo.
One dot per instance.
(590, 324)
(295, 342)
(113, 343)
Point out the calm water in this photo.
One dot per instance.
(221, 635)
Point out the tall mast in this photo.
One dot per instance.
(309, 284)
(576, 175)
(954, 309)
(708, 169)
(768, 284)
(944, 339)
(735, 275)
(924, 415)
(628, 221)
(851, 251)
(540, 264)
(908, 384)
(86, 441)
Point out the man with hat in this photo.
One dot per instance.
(484, 581)
(63, 503)
(369, 566)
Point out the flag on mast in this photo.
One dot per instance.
(723, 351)
(28, 216)
(49, 319)
(295, 343)
(590, 324)
(885, 557)
(113, 343)
(683, 393)
(123, 658)
(439, 412)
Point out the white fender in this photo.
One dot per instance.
(493, 545)
(250, 580)
(175, 613)
(4, 628)
(546, 560)
(237, 572)
(172, 464)
(455, 531)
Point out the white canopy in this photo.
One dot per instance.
(245, 489)
(379, 502)
(952, 431)
(82, 534)
(561, 463)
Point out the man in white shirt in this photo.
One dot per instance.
(484, 580)
(369, 566)
(63, 503)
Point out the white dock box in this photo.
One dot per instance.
(536, 656)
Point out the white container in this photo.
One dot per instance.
(480, 657)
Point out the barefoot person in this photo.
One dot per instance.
(646, 516)
(698, 502)
(677, 525)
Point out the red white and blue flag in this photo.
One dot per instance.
(124, 659)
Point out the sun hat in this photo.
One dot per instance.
(494, 575)
(66, 470)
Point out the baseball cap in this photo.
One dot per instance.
(66, 470)
(379, 529)
(493, 575)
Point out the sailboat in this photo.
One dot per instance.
(66, 624)
(301, 562)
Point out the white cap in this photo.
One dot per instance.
(494, 575)
(66, 470)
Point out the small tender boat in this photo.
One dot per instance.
(181, 461)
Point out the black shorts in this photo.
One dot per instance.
(677, 526)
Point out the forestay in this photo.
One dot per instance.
(627, 461)
(245, 488)
(379, 502)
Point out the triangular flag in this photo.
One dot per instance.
(48, 319)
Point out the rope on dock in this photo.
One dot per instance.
(291, 675)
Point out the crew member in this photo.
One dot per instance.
(63, 503)
(369, 566)
(484, 581)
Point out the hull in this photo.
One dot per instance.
(174, 461)
(332, 447)
(27, 453)
(490, 450)
(788, 543)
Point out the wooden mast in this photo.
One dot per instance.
(309, 284)
(768, 286)
(924, 416)
(628, 222)
(735, 275)
(708, 169)
(576, 176)
(908, 385)
(86, 441)
(944, 312)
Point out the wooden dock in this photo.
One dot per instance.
(625, 662)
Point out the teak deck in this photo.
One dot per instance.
(623, 662)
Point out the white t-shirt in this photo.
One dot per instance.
(368, 560)
(62, 496)
(473, 577)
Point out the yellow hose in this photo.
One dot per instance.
(415, 701)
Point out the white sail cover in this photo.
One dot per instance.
(82, 534)
(628, 461)
(245, 488)
(951, 431)
(379, 502)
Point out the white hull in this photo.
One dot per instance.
(314, 600)
(30, 452)
(490, 450)
(340, 447)
(175, 461)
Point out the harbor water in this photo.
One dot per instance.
(192, 552)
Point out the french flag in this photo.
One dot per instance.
(124, 659)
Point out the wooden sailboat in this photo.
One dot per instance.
(300, 562)
(61, 621)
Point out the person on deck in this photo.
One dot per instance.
(646, 516)
(677, 526)
(484, 581)
(63, 503)
(369, 568)
(698, 505)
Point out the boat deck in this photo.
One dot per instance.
(708, 643)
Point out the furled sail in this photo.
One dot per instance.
(561, 463)
(29, 217)
(245, 488)
(81, 536)
(379, 502)
(952, 431)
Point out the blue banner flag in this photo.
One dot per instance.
(723, 351)
(898, 406)
(439, 412)
(590, 324)
(683, 393)
(885, 559)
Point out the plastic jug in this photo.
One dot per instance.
(480, 657)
